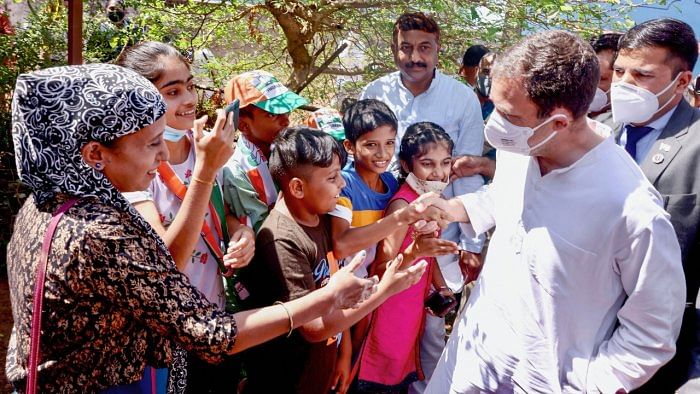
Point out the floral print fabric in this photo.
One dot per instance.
(114, 302)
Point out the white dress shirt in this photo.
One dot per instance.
(455, 107)
(447, 102)
(574, 252)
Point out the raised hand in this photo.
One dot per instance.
(469, 165)
(429, 245)
(398, 278)
(213, 148)
(423, 227)
(349, 290)
(241, 248)
(428, 207)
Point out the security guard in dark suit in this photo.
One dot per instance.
(662, 133)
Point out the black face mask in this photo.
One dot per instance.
(116, 16)
(483, 85)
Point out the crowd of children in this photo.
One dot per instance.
(284, 200)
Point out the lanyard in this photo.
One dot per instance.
(254, 164)
(175, 185)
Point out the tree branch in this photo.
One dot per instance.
(341, 5)
(322, 67)
(353, 72)
(297, 37)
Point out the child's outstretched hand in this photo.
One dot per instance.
(348, 290)
(213, 148)
(422, 227)
(428, 207)
(241, 248)
(430, 245)
(398, 278)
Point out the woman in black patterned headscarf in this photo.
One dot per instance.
(113, 301)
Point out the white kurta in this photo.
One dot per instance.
(574, 252)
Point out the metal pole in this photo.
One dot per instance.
(75, 31)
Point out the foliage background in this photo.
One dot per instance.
(290, 38)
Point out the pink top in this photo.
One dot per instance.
(389, 358)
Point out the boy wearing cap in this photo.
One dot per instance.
(328, 120)
(265, 105)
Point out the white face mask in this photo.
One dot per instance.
(634, 104)
(172, 134)
(600, 100)
(502, 134)
(422, 187)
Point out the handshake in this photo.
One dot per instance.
(427, 214)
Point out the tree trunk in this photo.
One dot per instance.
(297, 36)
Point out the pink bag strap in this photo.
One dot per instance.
(39, 295)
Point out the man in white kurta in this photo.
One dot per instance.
(582, 289)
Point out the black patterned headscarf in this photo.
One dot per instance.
(56, 111)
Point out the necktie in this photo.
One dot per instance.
(634, 134)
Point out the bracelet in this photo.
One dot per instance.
(194, 178)
(291, 321)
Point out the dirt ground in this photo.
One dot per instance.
(5, 328)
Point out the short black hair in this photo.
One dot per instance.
(671, 34)
(473, 55)
(606, 42)
(415, 21)
(365, 116)
(301, 146)
(557, 69)
(347, 103)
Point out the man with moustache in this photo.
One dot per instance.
(419, 92)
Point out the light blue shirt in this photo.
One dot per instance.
(645, 143)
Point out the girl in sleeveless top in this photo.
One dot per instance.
(389, 360)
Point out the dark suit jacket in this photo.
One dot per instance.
(606, 119)
(673, 167)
